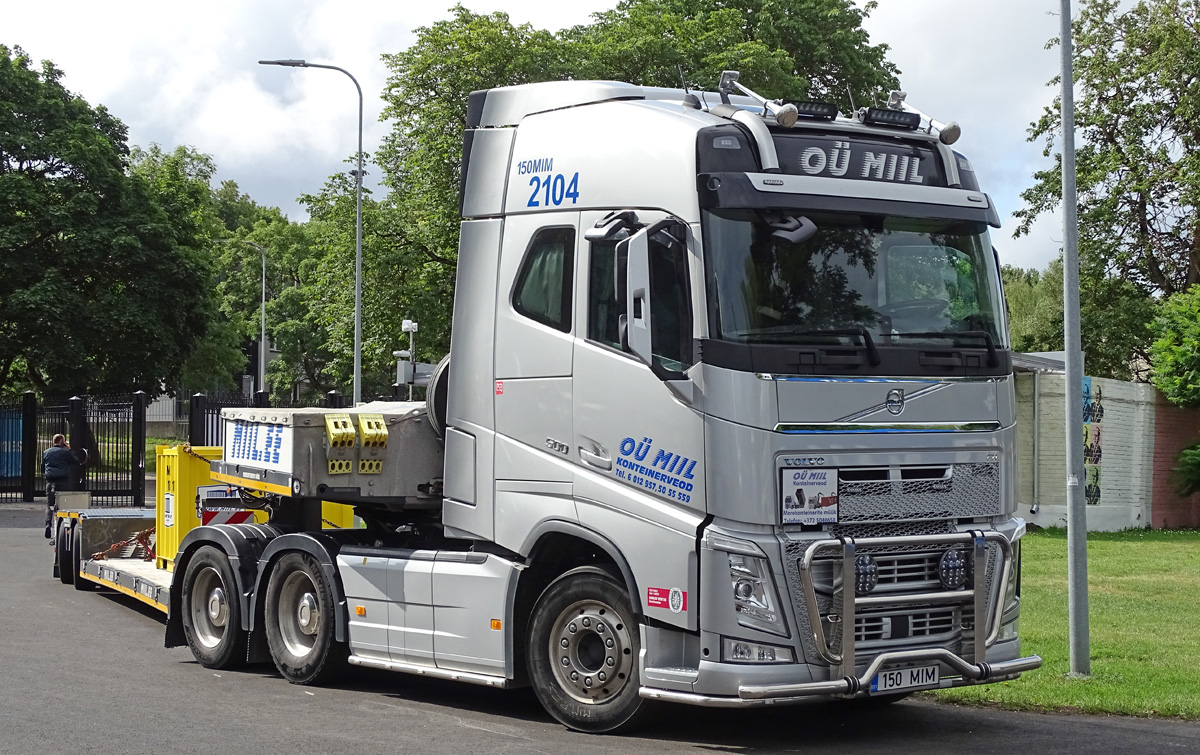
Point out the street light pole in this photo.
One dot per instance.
(1077, 590)
(262, 339)
(358, 174)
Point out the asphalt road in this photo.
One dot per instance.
(86, 672)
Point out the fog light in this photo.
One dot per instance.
(953, 568)
(740, 651)
(866, 574)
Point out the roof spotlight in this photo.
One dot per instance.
(785, 115)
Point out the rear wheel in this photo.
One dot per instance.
(300, 621)
(212, 613)
(77, 559)
(583, 653)
(62, 555)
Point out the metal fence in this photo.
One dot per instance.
(11, 432)
(107, 434)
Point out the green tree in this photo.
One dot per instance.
(1115, 339)
(1175, 352)
(1138, 164)
(799, 49)
(101, 287)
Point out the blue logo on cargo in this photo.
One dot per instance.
(665, 473)
(255, 442)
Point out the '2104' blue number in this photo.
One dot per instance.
(554, 189)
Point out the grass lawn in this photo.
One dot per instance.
(1144, 610)
(152, 451)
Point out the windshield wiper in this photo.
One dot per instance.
(872, 352)
(993, 356)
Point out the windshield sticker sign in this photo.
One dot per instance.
(665, 473)
(809, 496)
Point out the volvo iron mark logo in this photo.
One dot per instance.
(895, 401)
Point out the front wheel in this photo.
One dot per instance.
(583, 653)
(212, 613)
(300, 621)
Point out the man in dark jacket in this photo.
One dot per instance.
(60, 468)
(58, 463)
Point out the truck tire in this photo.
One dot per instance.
(62, 555)
(80, 583)
(299, 618)
(212, 611)
(583, 653)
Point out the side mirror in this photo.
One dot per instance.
(635, 325)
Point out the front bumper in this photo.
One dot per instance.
(848, 672)
(782, 694)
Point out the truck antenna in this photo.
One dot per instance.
(850, 94)
(689, 99)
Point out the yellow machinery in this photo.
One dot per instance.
(187, 497)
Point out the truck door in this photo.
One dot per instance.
(534, 324)
(638, 447)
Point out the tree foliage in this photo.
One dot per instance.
(1175, 352)
(1138, 164)
(1115, 340)
(102, 286)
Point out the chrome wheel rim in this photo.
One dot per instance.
(591, 652)
(210, 608)
(299, 614)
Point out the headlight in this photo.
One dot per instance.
(954, 568)
(866, 574)
(754, 597)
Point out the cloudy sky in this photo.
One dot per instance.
(187, 74)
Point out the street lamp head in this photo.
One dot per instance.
(289, 63)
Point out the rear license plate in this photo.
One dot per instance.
(896, 680)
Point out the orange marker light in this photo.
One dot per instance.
(360, 610)
(496, 623)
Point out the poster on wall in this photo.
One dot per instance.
(809, 496)
(1093, 451)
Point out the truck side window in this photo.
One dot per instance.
(605, 305)
(543, 290)
(671, 311)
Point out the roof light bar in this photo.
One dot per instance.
(874, 116)
(823, 111)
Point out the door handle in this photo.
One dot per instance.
(599, 461)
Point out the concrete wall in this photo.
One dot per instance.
(1121, 461)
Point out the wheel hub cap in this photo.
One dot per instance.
(592, 652)
(218, 608)
(308, 615)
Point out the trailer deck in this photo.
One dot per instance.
(122, 564)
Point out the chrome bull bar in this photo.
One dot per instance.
(843, 660)
(843, 680)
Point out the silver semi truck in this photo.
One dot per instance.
(727, 420)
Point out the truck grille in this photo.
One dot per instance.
(890, 627)
(883, 494)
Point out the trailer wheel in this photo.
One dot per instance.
(77, 560)
(211, 610)
(300, 622)
(583, 653)
(62, 555)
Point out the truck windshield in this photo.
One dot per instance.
(893, 279)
